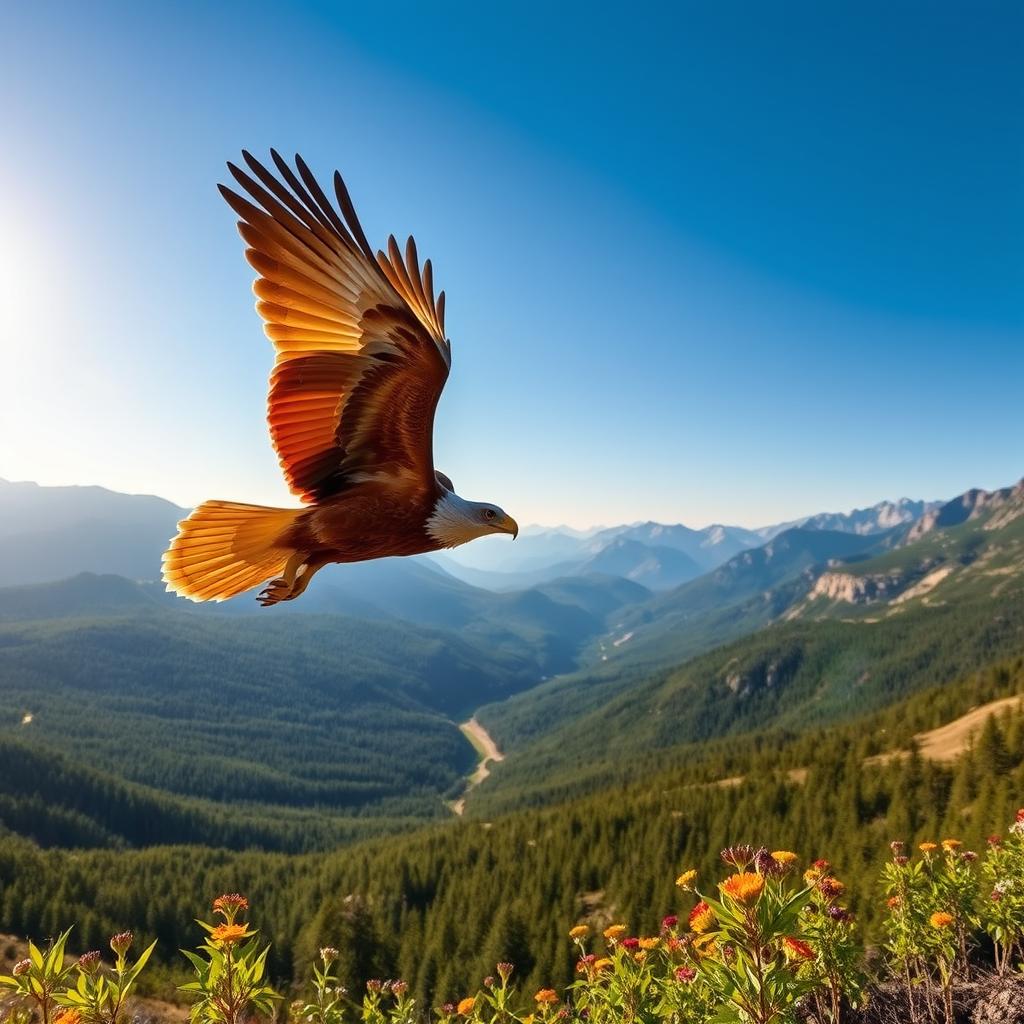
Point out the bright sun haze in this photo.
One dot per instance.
(778, 270)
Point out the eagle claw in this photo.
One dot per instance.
(275, 591)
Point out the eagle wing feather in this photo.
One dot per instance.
(361, 354)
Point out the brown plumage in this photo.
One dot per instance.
(361, 361)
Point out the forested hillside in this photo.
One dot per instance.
(441, 906)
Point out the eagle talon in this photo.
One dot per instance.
(275, 591)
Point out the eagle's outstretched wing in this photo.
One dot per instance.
(361, 352)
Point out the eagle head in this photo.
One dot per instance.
(455, 520)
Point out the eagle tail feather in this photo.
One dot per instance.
(225, 548)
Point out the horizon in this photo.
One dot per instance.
(810, 237)
(595, 528)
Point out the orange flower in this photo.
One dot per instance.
(797, 950)
(686, 878)
(466, 1005)
(927, 847)
(650, 943)
(951, 844)
(940, 919)
(783, 856)
(66, 1016)
(602, 965)
(893, 902)
(743, 888)
(228, 933)
(578, 932)
(547, 996)
(614, 931)
(702, 917)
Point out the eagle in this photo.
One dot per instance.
(361, 360)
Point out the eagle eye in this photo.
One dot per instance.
(489, 514)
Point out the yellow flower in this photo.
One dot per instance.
(743, 888)
(940, 919)
(927, 847)
(578, 932)
(811, 876)
(602, 965)
(614, 931)
(228, 933)
(686, 878)
(783, 856)
(650, 943)
(547, 995)
(640, 956)
(951, 844)
(466, 1005)
(702, 917)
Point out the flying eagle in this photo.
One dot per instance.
(362, 358)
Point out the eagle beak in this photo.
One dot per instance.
(509, 525)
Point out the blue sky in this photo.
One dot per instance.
(729, 262)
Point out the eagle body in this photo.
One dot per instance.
(361, 360)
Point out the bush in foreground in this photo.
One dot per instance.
(770, 943)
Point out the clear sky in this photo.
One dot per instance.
(707, 262)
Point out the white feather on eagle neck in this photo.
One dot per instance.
(456, 521)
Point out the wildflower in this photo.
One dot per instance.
(578, 932)
(650, 943)
(784, 856)
(489, 981)
(839, 914)
(811, 876)
(995, 840)
(22, 967)
(121, 942)
(669, 922)
(546, 996)
(614, 931)
(630, 943)
(951, 844)
(940, 919)
(448, 1009)
(685, 880)
(685, 974)
(602, 965)
(897, 846)
(374, 985)
(831, 888)
(738, 856)
(584, 963)
(88, 962)
(969, 855)
(893, 902)
(1020, 814)
(504, 970)
(399, 987)
(901, 861)
(231, 933)
(744, 887)
(466, 1005)
(702, 917)
(927, 847)
(328, 954)
(230, 904)
(796, 949)
(67, 1016)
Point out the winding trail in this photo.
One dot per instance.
(487, 751)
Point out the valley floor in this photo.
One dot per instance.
(488, 752)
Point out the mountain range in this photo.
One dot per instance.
(657, 634)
